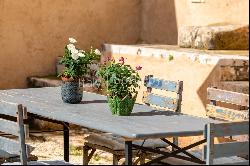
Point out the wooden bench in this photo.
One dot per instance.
(115, 145)
(226, 153)
(9, 149)
(12, 125)
(216, 97)
(240, 112)
(233, 98)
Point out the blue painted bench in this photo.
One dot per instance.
(115, 145)
(226, 153)
(12, 118)
(233, 98)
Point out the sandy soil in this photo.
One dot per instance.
(49, 146)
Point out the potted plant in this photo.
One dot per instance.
(121, 83)
(77, 63)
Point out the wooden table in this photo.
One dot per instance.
(93, 112)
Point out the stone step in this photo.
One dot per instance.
(47, 81)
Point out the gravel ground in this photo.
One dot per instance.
(49, 146)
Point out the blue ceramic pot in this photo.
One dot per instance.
(72, 92)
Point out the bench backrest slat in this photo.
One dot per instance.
(227, 149)
(163, 101)
(228, 97)
(166, 102)
(9, 127)
(230, 129)
(226, 113)
(16, 128)
(156, 83)
(12, 146)
(8, 108)
(230, 149)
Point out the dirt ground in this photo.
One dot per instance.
(49, 146)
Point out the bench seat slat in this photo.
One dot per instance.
(56, 162)
(12, 146)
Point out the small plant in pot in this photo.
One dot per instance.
(77, 63)
(121, 83)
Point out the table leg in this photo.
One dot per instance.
(66, 141)
(128, 152)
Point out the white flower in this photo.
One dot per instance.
(81, 51)
(80, 54)
(71, 47)
(75, 56)
(72, 40)
(74, 51)
(97, 52)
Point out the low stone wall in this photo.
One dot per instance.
(226, 37)
(198, 69)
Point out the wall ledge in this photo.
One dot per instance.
(163, 51)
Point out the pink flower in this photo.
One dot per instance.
(138, 67)
(121, 60)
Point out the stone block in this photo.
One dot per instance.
(223, 37)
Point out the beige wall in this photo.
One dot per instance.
(33, 32)
(159, 22)
(212, 12)
(161, 18)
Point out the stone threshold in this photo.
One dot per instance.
(164, 51)
(46, 81)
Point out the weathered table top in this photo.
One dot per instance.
(94, 113)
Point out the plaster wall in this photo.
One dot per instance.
(162, 18)
(34, 32)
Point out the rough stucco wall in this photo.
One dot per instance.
(161, 18)
(212, 12)
(159, 22)
(33, 32)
